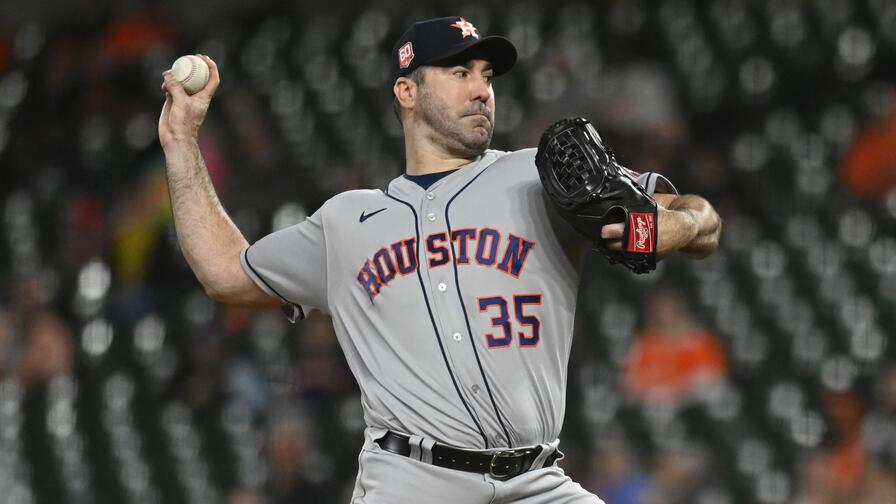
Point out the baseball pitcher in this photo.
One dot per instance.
(452, 290)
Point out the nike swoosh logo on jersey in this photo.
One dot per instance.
(364, 216)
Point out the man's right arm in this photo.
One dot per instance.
(208, 238)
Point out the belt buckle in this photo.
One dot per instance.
(504, 454)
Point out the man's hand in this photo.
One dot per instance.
(674, 231)
(687, 224)
(183, 114)
(612, 235)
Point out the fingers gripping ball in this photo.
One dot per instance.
(192, 72)
(590, 190)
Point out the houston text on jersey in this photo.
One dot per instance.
(484, 246)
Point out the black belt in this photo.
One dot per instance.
(501, 465)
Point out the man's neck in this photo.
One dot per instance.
(424, 157)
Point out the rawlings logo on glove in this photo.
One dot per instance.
(590, 190)
(644, 230)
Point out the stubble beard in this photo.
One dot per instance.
(449, 132)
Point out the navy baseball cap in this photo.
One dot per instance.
(440, 40)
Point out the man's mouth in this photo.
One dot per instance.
(480, 114)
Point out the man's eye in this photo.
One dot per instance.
(489, 78)
(460, 73)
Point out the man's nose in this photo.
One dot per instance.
(479, 90)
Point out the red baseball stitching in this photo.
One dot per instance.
(193, 67)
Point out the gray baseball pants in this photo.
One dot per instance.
(388, 478)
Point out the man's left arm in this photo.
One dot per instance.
(687, 224)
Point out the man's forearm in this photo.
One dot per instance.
(210, 241)
(706, 225)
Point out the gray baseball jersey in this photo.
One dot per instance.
(454, 305)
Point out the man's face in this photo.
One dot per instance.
(458, 104)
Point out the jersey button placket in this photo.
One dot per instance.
(443, 305)
(446, 307)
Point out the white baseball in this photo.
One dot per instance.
(191, 71)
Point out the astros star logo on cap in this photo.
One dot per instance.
(466, 28)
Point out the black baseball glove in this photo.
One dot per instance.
(590, 189)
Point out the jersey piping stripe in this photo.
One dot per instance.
(435, 327)
(509, 441)
(464, 306)
(265, 282)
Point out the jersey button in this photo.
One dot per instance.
(456, 336)
(475, 389)
(431, 216)
(430, 196)
(442, 287)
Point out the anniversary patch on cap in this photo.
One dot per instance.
(405, 55)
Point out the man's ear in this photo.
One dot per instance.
(405, 91)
